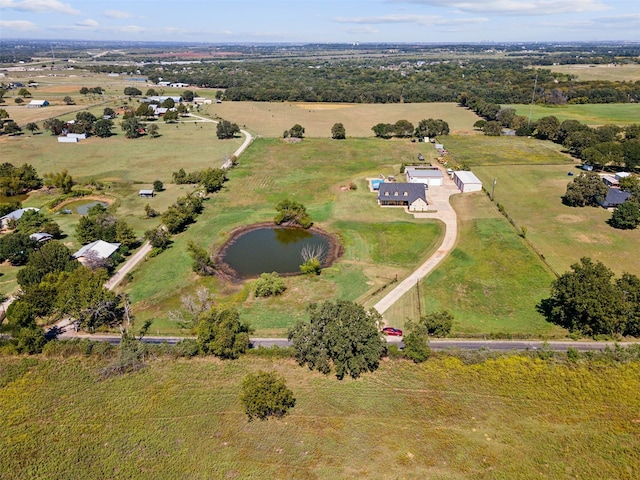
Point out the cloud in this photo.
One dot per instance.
(39, 6)
(429, 20)
(88, 23)
(118, 14)
(515, 7)
(614, 23)
(18, 25)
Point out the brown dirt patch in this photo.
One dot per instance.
(593, 238)
(569, 219)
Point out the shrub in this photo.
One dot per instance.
(265, 394)
(438, 324)
(311, 267)
(269, 285)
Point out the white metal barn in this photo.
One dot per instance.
(467, 181)
(431, 176)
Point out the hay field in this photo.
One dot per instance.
(617, 73)
(271, 119)
(507, 418)
(591, 114)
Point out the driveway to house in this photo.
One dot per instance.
(438, 199)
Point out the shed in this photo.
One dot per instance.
(15, 215)
(466, 181)
(621, 175)
(68, 140)
(41, 237)
(614, 198)
(410, 195)
(38, 103)
(610, 180)
(145, 193)
(431, 176)
(79, 136)
(96, 250)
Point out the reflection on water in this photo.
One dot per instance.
(271, 249)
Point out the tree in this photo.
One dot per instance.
(151, 93)
(158, 186)
(292, 213)
(188, 96)
(152, 130)
(269, 285)
(631, 184)
(403, 129)
(54, 125)
(33, 221)
(84, 91)
(11, 128)
(584, 190)
(438, 324)
(492, 128)
(171, 116)
(201, 260)
(297, 131)
(416, 342)
(221, 333)
(312, 266)
(102, 128)
(182, 109)
(585, 300)
(158, 238)
(60, 180)
(68, 100)
(432, 128)
(265, 394)
(53, 256)
(626, 216)
(338, 132)
(108, 112)
(16, 248)
(32, 127)
(225, 129)
(168, 103)
(3, 113)
(383, 130)
(132, 91)
(144, 110)
(131, 127)
(23, 92)
(340, 334)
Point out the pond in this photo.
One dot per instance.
(265, 248)
(81, 207)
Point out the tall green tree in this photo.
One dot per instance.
(340, 335)
(221, 333)
(584, 190)
(265, 394)
(338, 132)
(292, 213)
(626, 216)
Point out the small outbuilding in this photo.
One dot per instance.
(610, 181)
(466, 181)
(15, 215)
(431, 176)
(410, 195)
(614, 198)
(98, 250)
(38, 104)
(41, 237)
(145, 193)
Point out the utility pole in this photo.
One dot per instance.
(493, 188)
(418, 291)
(533, 96)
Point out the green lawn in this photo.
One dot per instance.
(379, 244)
(513, 417)
(491, 282)
(591, 114)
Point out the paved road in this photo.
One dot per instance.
(435, 344)
(438, 198)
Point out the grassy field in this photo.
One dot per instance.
(271, 119)
(379, 243)
(513, 417)
(593, 114)
(585, 73)
(491, 282)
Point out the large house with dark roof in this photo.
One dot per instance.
(410, 195)
(614, 198)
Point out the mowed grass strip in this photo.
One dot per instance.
(531, 195)
(271, 119)
(491, 281)
(378, 243)
(505, 150)
(609, 72)
(512, 417)
(591, 114)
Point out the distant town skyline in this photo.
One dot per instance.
(331, 21)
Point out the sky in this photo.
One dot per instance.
(325, 21)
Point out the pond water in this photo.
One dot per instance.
(272, 249)
(81, 207)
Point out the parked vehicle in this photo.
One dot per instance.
(394, 332)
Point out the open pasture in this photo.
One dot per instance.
(512, 417)
(609, 72)
(315, 172)
(531, 195)
(592, 114)
(271, 119)
(490, 283)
